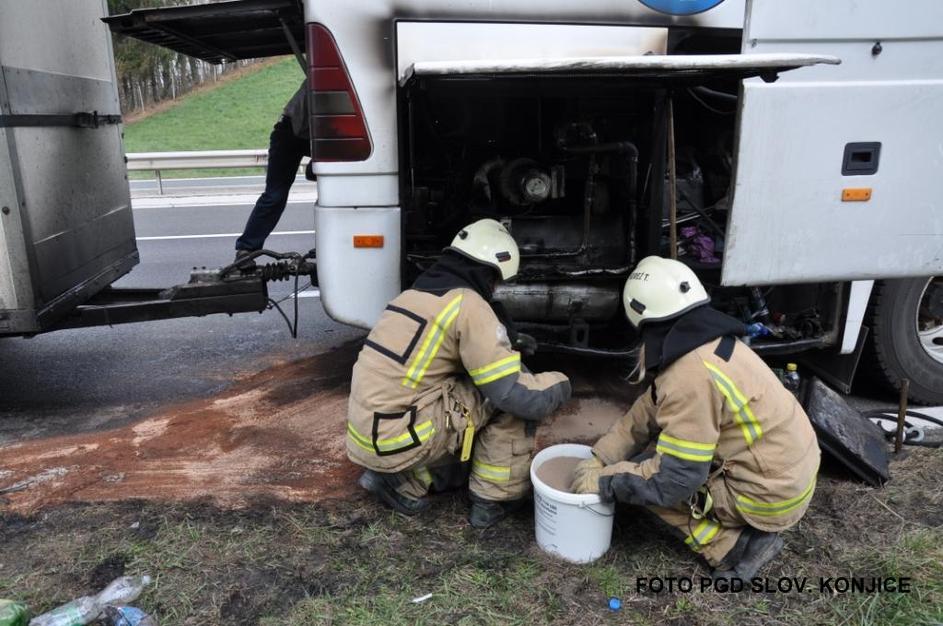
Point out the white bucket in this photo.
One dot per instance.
(575, 527)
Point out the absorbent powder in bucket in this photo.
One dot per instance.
(558, 472)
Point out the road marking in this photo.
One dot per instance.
(307, 293)
(230, 200)
(218, 235)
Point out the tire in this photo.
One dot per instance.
(896, 345)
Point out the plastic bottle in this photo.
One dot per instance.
(791, 379)
(13, 613)
(127, 616)
(87, 609)
(79, 612)
(123, 590)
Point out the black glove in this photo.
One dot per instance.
(525, 344)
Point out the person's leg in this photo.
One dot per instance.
(712, 536)
(402, 491)
(500, 471)
(443, 474)
(709, 537)
(284, 156)
(501, 460)
(430, 467)
(732, 547)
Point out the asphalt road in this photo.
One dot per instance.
(203, 185)
(88, 378)
(76, 380)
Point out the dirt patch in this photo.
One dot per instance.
(278, 434)
(108, 569)
(351, 561)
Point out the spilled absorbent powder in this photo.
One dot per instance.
(558, 472)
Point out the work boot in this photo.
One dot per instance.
(753, 551)
(383, 486)
(241, 254)
(486, 513)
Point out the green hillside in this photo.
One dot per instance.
(237, 114)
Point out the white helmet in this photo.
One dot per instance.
(660, 289)
(488, 241)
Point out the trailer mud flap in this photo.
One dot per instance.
(846, 434)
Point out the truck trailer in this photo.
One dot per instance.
(66, 230)
(66, 226)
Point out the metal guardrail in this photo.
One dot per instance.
(199, 159)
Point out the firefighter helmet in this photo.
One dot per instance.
(661, 289)
(488, 241)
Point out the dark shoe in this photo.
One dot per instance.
(752, 552)
(241, 254)
(487, 513)
(735, 554)
(383, 486)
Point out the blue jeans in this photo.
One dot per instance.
(284, 156)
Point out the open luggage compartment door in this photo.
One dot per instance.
(220, 31)
(837, 168)
(660, 67)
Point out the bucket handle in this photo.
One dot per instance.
(589, 507)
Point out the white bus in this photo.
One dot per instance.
(790, 152)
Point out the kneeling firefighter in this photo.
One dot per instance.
(438, 383)
(716, 446)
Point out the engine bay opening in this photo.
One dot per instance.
(576, 168)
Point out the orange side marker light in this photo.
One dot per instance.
(856, 194)
(368, 241)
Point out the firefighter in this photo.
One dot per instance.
(715, 446)
(438, 384)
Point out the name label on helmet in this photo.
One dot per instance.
(503, 256)
(638, 276)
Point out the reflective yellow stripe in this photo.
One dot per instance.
(684, 449)
(514, 358)
(703, 534)
(423, 432)
(359, 439)
(423, 475)
(433, 341)
(491, 473)
(497, 370)
(746, 505)
(739, 404)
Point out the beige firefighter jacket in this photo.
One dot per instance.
(706, 412)
(403, 389)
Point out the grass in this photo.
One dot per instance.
(353, 562)
(237, 114)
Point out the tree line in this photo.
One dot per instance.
(149, 74)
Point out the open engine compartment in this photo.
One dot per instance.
(576, 166)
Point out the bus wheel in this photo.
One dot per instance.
(906, 319)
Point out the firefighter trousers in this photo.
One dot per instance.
(502, 447)
(712, 535)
